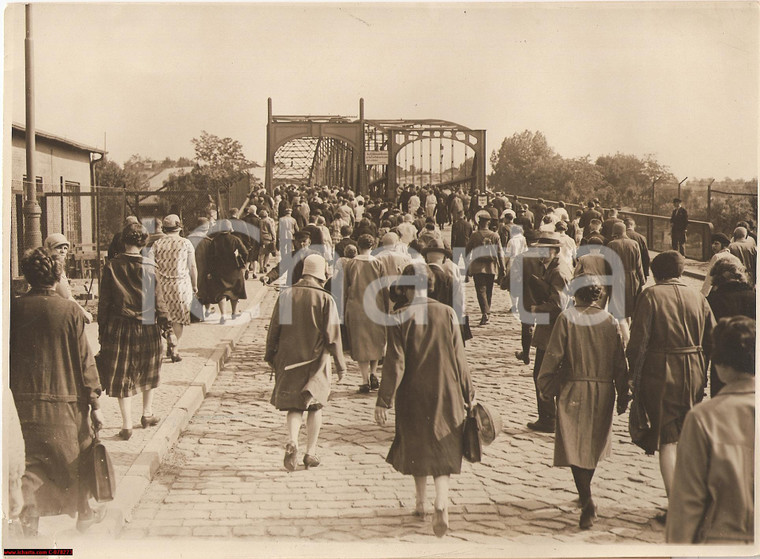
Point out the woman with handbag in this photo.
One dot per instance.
(129, 310)
(55, 386)
(671, 338)
(583, 367)
(176, 275)
(227, 256)
(425, 372)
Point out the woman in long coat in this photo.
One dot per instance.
(55, 385)
(583, 367)
(668, 353)
(176, 275)
(129, 310)
(425, 370)
(226, 268)
(304, 332)
(365, 336)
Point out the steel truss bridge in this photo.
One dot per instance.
(372, 156)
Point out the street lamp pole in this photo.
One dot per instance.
(32, 210)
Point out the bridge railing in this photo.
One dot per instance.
(656, 229)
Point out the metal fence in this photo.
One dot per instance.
(656, 229)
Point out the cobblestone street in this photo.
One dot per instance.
(225, 479)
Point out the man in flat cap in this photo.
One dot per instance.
(485, 261)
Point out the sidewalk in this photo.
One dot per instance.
(204, 348)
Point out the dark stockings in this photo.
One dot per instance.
(582, 479)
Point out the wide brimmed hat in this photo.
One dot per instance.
(436, 245)
(171, 223)
(489, 423)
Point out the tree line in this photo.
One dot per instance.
(525, 164)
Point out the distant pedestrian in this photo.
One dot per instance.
(584, 365)
(299, 351)
(746, 251)
(679, 221)
(720, 250)
(551, 299)
(365, 336)
(426, 376)
(713, 495)
(484, 263)
(58, 245)
(226, 256)
(177, 277)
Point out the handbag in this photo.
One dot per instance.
(471, 451)
(465, 329)
(639, 426)
(239, 260)
(103, 478)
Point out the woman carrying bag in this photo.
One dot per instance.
(425, 373)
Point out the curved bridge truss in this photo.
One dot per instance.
(372, 156)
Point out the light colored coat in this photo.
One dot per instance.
(712, 499)
(366, 337)
(299, 349)
(595, 367)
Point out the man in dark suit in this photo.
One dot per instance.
(587, 216)
(556, 276)
(630, 231)
(609, 223)
(679, 220)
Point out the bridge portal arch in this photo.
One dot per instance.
(365, 155)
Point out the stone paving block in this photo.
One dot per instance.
(170, 531)
(212, 531)
(514, 492)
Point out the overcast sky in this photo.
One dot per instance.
(679, 81)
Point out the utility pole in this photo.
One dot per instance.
(679, 187)
(709, 198)
(32, 210)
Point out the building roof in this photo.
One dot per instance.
(21, 129)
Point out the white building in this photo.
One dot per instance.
(62, 166)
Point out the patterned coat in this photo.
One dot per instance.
(175, 265)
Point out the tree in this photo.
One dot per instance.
(220, 161)
(631, 179)
(523, 164)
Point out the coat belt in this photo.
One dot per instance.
(678, 350)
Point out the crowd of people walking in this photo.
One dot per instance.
(379, 281)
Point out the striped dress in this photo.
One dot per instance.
(172, 255)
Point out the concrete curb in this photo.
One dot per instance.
(695, 275)
(132, 485)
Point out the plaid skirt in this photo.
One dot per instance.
(130, 357)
